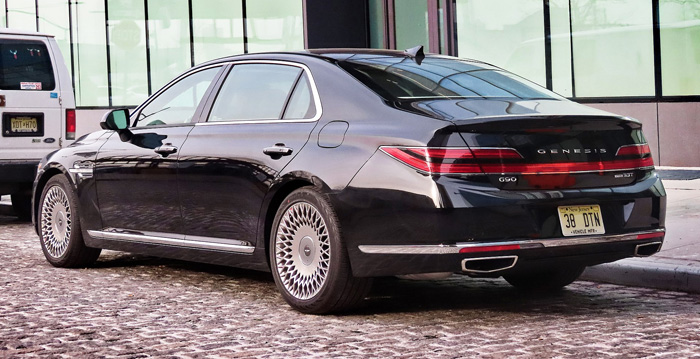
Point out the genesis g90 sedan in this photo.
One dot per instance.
(330, 167)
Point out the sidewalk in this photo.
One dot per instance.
(677, 266)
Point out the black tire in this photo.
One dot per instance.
(22, 206)
(58, 220)
(545, 280)
(308, 258)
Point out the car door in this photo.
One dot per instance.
(136, 175)
(260, 119)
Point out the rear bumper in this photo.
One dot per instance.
(397, 221)
(498, 258)
(17, 175)
(523, 244)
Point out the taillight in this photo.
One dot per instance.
(455, 160)
(634, 150)
(488, 160)
(70, 124)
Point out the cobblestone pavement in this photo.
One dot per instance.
(130, 306)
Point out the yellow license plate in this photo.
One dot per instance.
(24, 124)
(581, 220)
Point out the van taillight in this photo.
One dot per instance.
(70, 124)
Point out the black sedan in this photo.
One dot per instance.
(330, 167)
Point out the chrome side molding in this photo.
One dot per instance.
(216, 244)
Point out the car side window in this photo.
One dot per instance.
(177, 104)
(255, 92)
(301, 104)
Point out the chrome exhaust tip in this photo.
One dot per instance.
(482, 265)
(647, 249)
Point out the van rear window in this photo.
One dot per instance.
(25, 65)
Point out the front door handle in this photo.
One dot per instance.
(166, 149)
(277, 151)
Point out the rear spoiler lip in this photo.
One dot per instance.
(535, 116)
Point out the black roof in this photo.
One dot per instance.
(332, 54)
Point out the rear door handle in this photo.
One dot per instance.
(166, 149)
(277, 151)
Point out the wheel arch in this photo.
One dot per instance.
(41, 181)
(287, 185)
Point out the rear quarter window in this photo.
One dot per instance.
(25, 65)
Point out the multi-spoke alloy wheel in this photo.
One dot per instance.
(308, 258)
(59, 226)
(55, 221)
(303, 250)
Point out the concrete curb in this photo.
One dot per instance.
(657, 273)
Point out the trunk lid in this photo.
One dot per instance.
(558, 151)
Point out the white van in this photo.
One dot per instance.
(37, 108)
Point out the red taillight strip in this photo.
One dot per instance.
(431, 159)
(462, 160)
(496, 153)
(567, 167)
(455, 160)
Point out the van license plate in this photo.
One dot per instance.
(581, 220)
(24, 124)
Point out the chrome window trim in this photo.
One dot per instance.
(524, 244)
(217, 244)
(137, 110)
(314, 91)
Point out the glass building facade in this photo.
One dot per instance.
(582, 49)
(120, 51)
(639, 58)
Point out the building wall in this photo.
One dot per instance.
(643, 55)
(671, 128)
(121, 51)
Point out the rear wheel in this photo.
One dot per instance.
(59, 227)
(22, 205)
(309, 261)
(545, 280)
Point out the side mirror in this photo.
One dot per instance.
(117, 120)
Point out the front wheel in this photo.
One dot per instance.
(550, 279)
(59, 227)
(309, 261)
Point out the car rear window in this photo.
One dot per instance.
(25, 65)
(397, 78)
